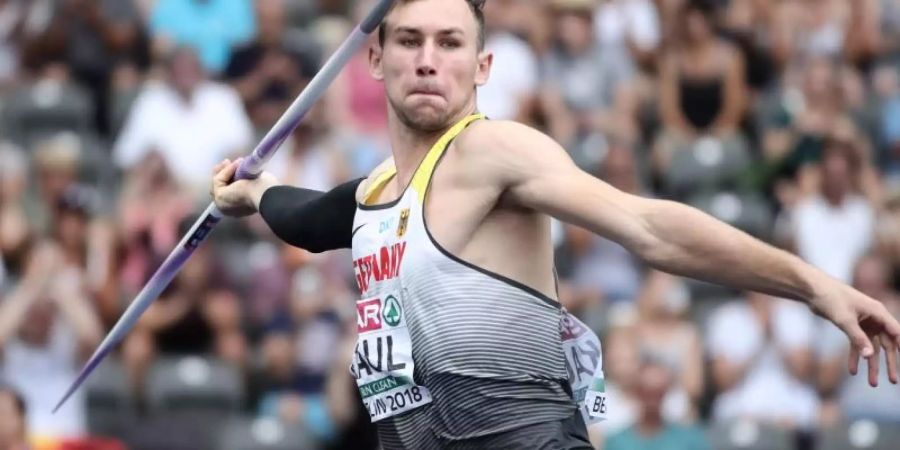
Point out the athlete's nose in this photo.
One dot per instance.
(425, 60)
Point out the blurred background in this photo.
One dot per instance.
(780, 117)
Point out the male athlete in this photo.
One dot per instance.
(459, 327)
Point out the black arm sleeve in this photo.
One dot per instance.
(312, 220)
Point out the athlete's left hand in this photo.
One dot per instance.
(867, 323)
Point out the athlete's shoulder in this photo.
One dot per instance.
(485, 137)
(385, 167)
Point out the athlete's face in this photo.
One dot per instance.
(430, 62)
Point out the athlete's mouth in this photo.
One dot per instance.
(426, 92)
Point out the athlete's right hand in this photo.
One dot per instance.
(241, 197)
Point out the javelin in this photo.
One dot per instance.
(250, 168)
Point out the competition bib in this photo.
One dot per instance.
(382, 362)
(584, 364)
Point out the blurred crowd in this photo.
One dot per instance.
(780, 117)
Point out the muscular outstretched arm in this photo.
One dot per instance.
(669, 236)
(533, 171)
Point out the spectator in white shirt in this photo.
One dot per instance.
(192, 121)
(630, 24)
(514, 76)
(834, 227)
(761, 359)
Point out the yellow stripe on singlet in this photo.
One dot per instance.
(384, 172)
(423, 173)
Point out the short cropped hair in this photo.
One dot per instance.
(474, 5)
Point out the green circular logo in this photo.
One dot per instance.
(391, 311)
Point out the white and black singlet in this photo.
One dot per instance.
(450, 355)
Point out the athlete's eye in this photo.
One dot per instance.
(451, 43)
(409, 42)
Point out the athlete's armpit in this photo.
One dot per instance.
(313, 220)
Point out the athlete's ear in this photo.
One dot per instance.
(483, 71)
(375, 69)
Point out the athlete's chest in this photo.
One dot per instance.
(385, 237)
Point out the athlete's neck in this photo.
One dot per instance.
(410, 145)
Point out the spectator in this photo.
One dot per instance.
(888, 237)
(794, 140)
(807, 114)
(761, 352)
(292, 384)
(509, 94)
(276, 370)
(748, 25)
(807, 29)
(808, 108)
(622, 362)
(835, 226)
(211, 27)
(57, 162)
(87, 244)
(852, 398)
(864, 34)
(889, 15)
(652, 430)
(192, 121)
(629, 24)
(145, 238)
(581, 80)
(357, 99)
(701, 85)
(92, 38)
(47, 327)
(268, 72)
(197, 314)
(12, 18)
(886, 86)
(14, 220)
(13, 426)
(663, 331)
(314, 155)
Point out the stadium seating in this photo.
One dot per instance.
(748, 435)
(707, 163)
(37, 110)
(264, 434)
(860, 434)
(195, 385)
(110, 403)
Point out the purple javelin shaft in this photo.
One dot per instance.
(250, 168)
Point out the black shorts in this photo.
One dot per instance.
(566, 434)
